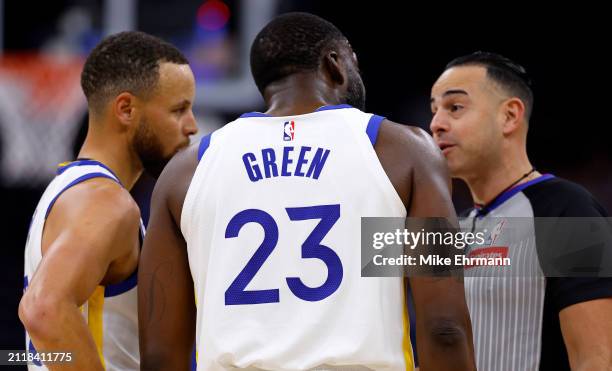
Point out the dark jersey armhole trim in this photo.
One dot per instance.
(373, 127)
(204, 143)
(75, 182)
(586, 289)
(123, 286)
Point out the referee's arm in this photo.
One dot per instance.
(587, 333)
(585, 303)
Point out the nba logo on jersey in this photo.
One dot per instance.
(289, 131)
(497, 231)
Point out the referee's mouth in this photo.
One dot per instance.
(445, 147)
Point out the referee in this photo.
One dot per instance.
(529, 319)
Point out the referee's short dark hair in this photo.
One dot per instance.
(290, 43)
(507, 74)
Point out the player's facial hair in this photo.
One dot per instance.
(355, 93)
(149, 149)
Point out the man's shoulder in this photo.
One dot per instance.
(185, 161)
(561, 197)
(89, 207)
(411, 159)
(413, 145)
(396, 133)
(97, 195)
(176, 177)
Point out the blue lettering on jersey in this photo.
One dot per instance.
(301, 161)
(317, 163)
(306, 165)
(269, 162)
(286, 161)
(252, 169)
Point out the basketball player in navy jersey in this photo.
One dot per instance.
(83, 245)
(258, 181)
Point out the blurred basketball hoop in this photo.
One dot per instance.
(41, 102)
(41, 106)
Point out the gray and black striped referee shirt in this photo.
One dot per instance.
(515, 318)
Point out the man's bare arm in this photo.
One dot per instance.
(444, 332)
(166, 303)
(91, 236)
(587, 332)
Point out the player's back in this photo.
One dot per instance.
(111, 311)
(272, 224)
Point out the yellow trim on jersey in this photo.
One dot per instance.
(95, 308)
(195, 296)
(406, 345)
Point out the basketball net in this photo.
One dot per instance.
(41, 106)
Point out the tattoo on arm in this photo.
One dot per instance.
(157, 295)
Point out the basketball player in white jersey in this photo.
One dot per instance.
(84, 241)
(254, 242)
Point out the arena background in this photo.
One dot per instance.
(402, 48)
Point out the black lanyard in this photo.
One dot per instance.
(483, 210)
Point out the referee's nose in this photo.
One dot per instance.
(439, 124)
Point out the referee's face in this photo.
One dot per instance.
(465, 105)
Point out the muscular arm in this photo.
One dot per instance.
(444, 332)
(166, 303)
(587, 332)
(584, 304)
(84, 244)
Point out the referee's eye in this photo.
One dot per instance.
(455, 107)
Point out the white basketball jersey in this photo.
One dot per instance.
(272, 224)
(111, 312)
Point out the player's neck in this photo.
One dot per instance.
(114, 151)
(298, 94)
(493, 179)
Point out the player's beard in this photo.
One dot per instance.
(149, 149)
(355, 93)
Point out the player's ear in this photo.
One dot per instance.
(334, 67)
(513, 111)
(124, 108)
